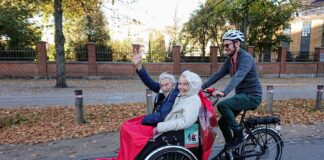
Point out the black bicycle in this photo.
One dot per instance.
(262, 139)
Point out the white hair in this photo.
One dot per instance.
(167, 76)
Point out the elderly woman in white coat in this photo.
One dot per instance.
(186, 107)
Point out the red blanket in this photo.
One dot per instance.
(133, 137)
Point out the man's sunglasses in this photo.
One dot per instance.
(227, 45)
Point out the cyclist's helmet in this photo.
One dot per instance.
(234, 35)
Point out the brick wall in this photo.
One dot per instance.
(41, 68)
(18, 69)
(202, 68)
(80, 69)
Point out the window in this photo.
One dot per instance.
(306, 29)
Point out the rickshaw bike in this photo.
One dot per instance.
(262, 138)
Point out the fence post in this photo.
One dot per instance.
(92, 68)
(319, 97)
(176, 59)
(269, 99)
(79, 106)
(317, 58)
(282, 51)
(42, 59)
(149, 101)
(250, 49)
(213, 59)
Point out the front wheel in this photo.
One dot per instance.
(171, 153)
(266, 143)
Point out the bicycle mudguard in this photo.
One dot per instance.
(253, 121)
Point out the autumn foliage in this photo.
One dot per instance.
(34, 125)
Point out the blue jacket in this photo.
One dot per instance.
(163, 105)
(245, 80)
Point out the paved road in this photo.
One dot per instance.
(96, 92)
(301, 142)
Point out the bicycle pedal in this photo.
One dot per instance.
(229, 155)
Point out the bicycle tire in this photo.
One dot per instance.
(273, 144)
(171, 153)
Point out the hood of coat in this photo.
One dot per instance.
(194, 82)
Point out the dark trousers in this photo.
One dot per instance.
(230, 108)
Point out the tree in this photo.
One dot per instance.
(59, 44)
(266, 22)
(16, 27)
(156, 47)
(260, 20)
(197, 29)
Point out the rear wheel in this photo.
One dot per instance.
(270, 147)
(171, 153)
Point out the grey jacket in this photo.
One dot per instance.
(245, 80)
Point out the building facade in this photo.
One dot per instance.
(307, 28)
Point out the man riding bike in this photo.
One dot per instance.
(244, 78)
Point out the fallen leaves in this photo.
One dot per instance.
(35, 125)
(54, 123)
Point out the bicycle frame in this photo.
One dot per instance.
(249, 132)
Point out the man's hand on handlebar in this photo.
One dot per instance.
(218, 94)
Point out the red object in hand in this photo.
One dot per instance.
(211, 90)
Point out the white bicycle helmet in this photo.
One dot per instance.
(233, 35)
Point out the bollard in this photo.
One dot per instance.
(79, 106)
(319, 97)
(149, 101)
(269, 99)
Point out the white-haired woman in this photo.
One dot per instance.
(186, 107)
(184, 113)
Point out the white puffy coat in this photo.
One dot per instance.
(185, 109)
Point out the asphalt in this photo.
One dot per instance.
(29, 93)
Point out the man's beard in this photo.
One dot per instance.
(231, 54)
(166, 92)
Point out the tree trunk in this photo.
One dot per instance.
(203, 47)
(59, 44)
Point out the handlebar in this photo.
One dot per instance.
(208, 93)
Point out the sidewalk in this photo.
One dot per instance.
(104, 145)
(42, 92)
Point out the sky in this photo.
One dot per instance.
(152, 14)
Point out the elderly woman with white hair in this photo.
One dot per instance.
(186, 107)
(184, 113)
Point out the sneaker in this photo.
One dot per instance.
(237, 140)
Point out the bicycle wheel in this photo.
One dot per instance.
(171, 153)
(269, 141)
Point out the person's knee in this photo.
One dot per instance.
(221, 106)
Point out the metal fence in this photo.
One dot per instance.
(122, 55)
(267, 57)
(18, 54)
(194, 56)
(295, 56)
(76, 54)
(157, 57)
(104, 54)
